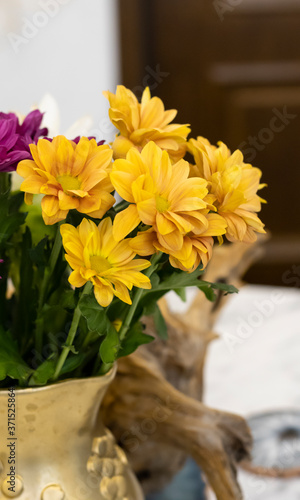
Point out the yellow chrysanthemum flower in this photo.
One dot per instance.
(233, 184)
(196, 248)
(94, 255)
(140, 123)
(70, 175)
(161, 195)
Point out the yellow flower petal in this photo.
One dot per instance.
(171, 242)
(164, 225)
(161, 194)
(32, 184)
(76, 175)
(96, 256)
(81, 153)
(28, 198)
(233, 184)
(140, 123)
(25, 168)
(46, 156)
(121, 146)
(122, 182)
(122, 293)
(76, 279)
(67, 202)
(125, 222)
(142, 244)
(50, 205)
(50, 220)
(103, 295)
(147, 211)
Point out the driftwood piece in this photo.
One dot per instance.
(153, 407)
(162, 420)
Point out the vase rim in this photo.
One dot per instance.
(107, 378)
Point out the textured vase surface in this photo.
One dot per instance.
(62, 450)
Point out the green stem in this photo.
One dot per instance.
(90, 335)
(50, 268)
(44, 288)
(137, 297)
(121, 206)
(97, 365)
(71, 334)
(5, 182)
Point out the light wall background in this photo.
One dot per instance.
(66, 48)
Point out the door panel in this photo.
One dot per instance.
(234, 74)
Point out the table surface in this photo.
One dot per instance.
(254, 367)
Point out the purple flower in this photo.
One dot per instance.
(15, 138)
(77, 139)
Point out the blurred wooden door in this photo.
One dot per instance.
(232, 68)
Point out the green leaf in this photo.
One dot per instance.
(97, 321)
(109, 348)
(10, 218)
(94, 314)
(181, 293)
(26, 306)
(37, 253)
(134, 338)
(15, 201)
(224, 287)
(9, 225)
(154, 280)
(160, 324)
(11, 363)
(117, 309)
(175, 281)
(207, 290)
(43, 373)
(148, 303)
(73, 362)
(54, 317)
(68, 299)
(36, 224)
(178, 281)
(150, 307)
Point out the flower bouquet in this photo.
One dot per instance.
(98, 233)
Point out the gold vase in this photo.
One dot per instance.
(60, 450)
